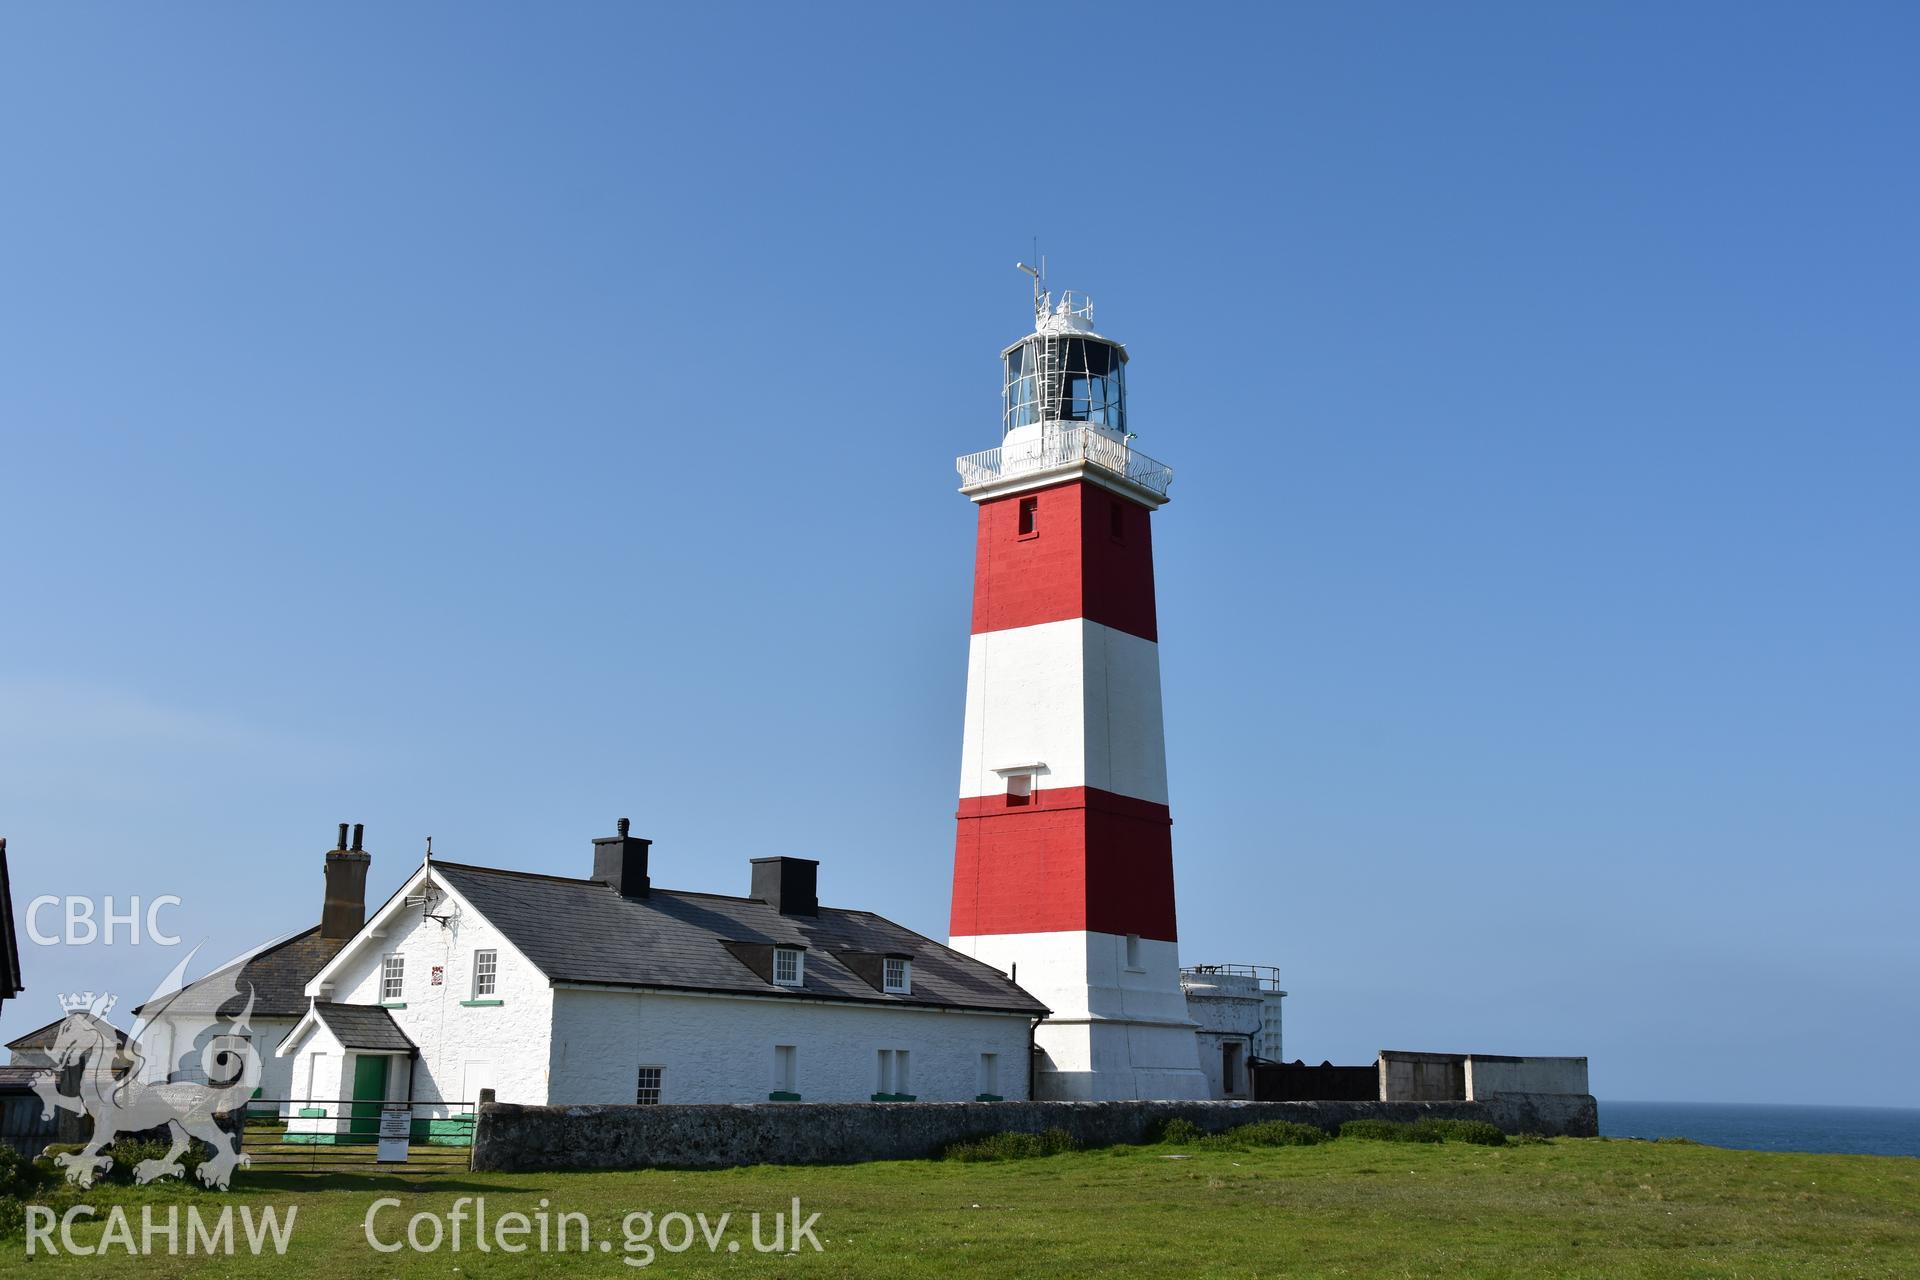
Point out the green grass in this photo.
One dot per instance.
(1342, 1208)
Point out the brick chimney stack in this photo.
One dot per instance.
(345, 907)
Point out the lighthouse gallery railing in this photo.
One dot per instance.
(1062, 446)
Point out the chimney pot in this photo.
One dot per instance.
(623, 826)
(788, 885)
(358, 828)
(341, 842)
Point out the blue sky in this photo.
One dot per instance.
(489, 421)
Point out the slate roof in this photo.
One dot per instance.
(363, 1026)
(278, 975)
(43, 1037)
(583, 931)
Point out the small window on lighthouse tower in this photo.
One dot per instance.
(1029, 517)
(1117, 521)
(1019, 789)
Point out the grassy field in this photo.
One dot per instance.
(1349, 1208)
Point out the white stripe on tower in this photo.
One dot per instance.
(1079, 697)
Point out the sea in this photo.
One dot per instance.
(1876, 1131)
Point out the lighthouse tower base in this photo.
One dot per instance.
(1118, 1029)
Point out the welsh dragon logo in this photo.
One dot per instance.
(115, 1090)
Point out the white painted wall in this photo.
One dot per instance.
(1226, 1007)
(1213, 1047)
(1082, 973)
(1101, 1060)
(720, 1049)
(1273, 1045)
(1116, 1031)
(316, 1067)
(509, 1039)
(164, 1040)
(1077, 696)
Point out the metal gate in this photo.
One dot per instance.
(332, 1135)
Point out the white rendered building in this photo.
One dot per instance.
(603, 989)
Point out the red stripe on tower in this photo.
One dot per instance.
(1074, 550)
(1072, 859)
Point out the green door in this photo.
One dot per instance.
(369, 1091)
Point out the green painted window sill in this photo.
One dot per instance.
(312, 1113)
(779, 1095)
(480, 1004)
(893, 1097)
(988, 1097)
(393, 1004)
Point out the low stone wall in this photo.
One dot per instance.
(516, 1138)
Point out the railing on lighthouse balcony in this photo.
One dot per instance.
(1064, 403)
(1060, 445)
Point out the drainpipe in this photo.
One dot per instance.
(1033, 1066)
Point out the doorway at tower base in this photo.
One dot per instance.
(1117, 1026)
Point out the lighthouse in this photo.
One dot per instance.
(1063, 862)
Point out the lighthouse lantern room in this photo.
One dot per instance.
(1063, 863)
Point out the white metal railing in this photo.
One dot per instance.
(1268, 976)
(1059, 446)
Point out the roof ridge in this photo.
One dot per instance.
(678, 893)
(512, 871)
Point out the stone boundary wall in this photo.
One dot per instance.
(514, 1138)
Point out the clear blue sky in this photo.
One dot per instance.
(487, 421)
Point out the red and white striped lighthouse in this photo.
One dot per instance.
(1063, 867)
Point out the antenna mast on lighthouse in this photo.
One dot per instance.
(1042, 300)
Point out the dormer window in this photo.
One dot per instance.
(789, 968)
(899, 976)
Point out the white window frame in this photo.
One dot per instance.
(641, 1087)
(393, 976)
(799, 958)
(486, 967)
(897, 975)
(990, 1074)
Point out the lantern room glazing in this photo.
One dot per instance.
(1065, 377)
